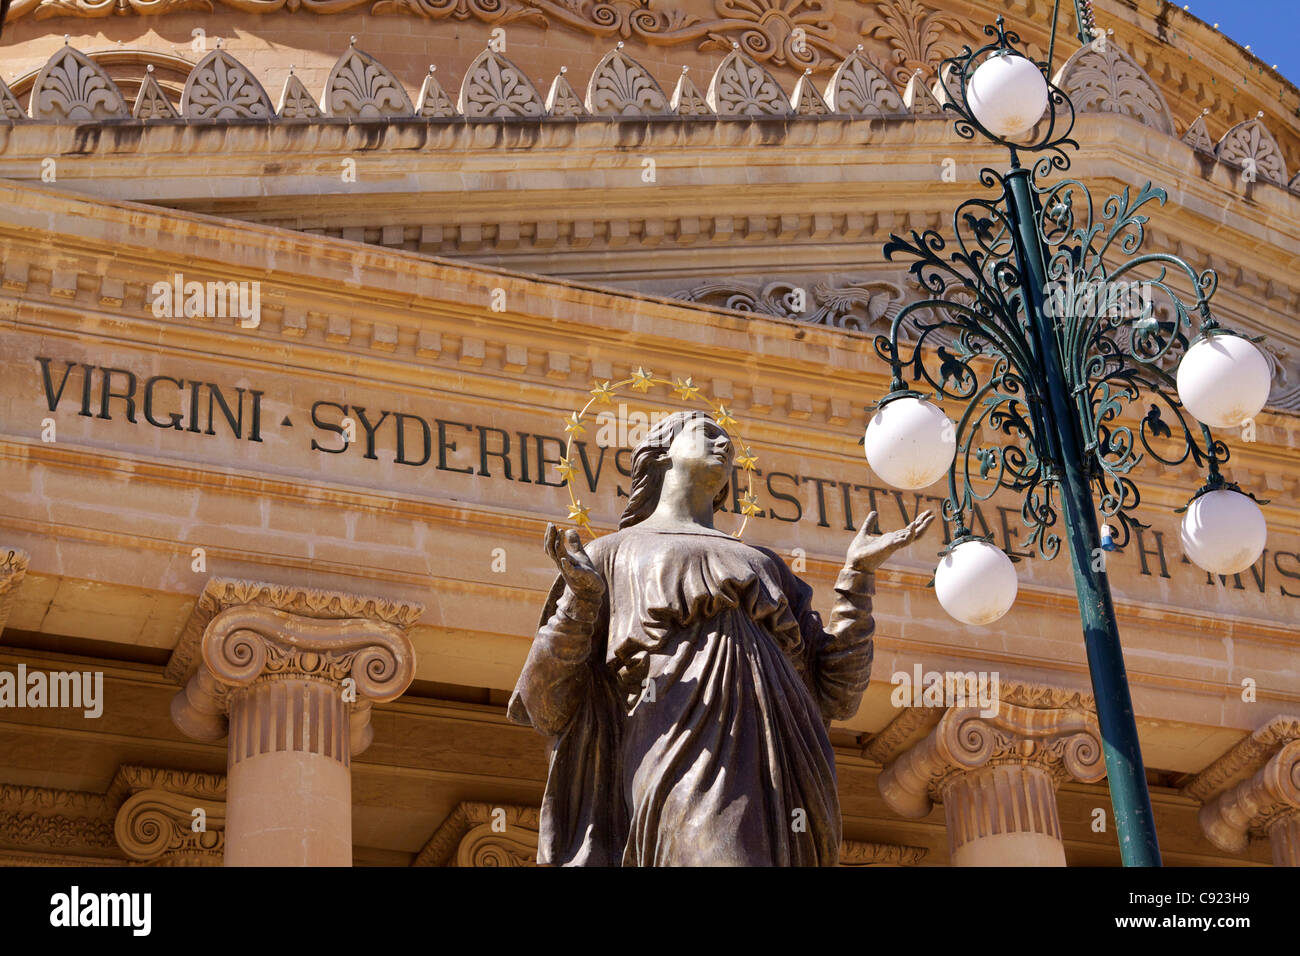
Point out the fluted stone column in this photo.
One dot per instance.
(997, 775)
(289, 676)
(1266, 803)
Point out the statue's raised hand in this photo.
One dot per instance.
(574, 563)
(870, 549)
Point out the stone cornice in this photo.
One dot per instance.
(1055, 731)
(1246, 757)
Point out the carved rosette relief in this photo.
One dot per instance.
(361, 87)
(740, 87)
(1251, 147)
(495, 87)
(220, 87)
(1104, 79)
(72, 87)
(997, 775)
(13, 568)
(620, 86)
(288, 681)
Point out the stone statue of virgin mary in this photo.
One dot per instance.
(686, 683)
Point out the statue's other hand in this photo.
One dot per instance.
(574, 563)
(870, 549)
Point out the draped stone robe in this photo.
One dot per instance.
(688, 707)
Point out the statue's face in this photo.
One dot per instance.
(703, 452)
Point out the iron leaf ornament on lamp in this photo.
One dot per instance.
(1054, 336)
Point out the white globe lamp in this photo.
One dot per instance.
(976, 582)
(1223, 380)
(910, 443)
(1224, 532)
(1007, 94)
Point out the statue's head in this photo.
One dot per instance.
(692, 445)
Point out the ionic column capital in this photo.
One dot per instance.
(244, 633)
(1266, 802)
(1054, 733)
(170, 818)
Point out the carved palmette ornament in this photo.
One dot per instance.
(741, 87)
(434, 101)
(74, 88)
(1250, 146)
(857, 87)
(220, 87)
(495, 87)
(11, 110)
(687, 98)
(807, 101)
(620, 86)
(151, 102)
(1198, 137)
(296, 102)
(360, 87)
(1102, 78)
(919, 100)
(562, 100)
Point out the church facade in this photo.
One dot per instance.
(301, 306)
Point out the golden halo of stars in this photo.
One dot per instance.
(642, 380)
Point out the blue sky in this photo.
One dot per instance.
(1271, 28)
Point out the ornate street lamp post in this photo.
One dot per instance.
(1043, 325)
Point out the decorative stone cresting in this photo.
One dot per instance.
(740, 87)
(11, 111)
(687, 99)
(857, 86)
(620, 86)
(1198, 137)
(434, 101)
(1102, 78)
(807, 101)
(361, 87)
(494, 87)
(1250, 145)
(296, 102)
(997, 776)
(71, 87)
(151, 102)
(562, 100)
(13, 568)
(919, 100)
(220, 87)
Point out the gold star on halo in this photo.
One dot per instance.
(573, 424)
(565, 468)
(686, 390)
(746, 459)
(723, 417)
(748, 504)
(603, 393)
(641, 379)
(578, 515)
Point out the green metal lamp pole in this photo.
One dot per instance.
(1130, 800)
(1031, 288)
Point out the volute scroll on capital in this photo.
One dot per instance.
(1063, 742)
